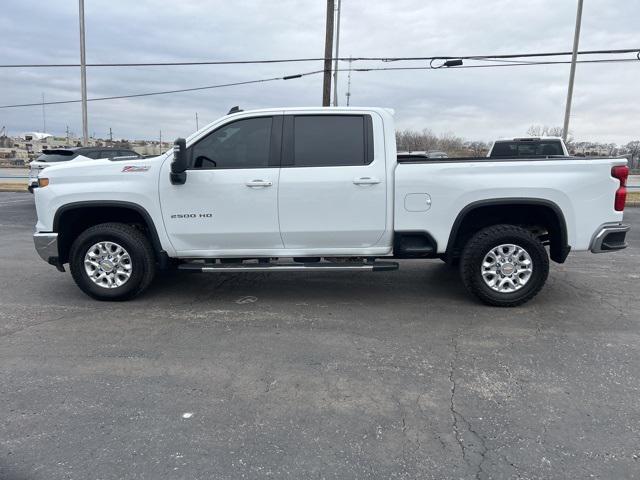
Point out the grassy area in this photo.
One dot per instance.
(633, 197)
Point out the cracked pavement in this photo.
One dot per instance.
(333, 375)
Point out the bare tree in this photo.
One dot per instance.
(479, 149)
(412, 140)
(547, 131)
(450, 143)
(535, 131)
(634, 151)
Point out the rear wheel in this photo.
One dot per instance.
(112, 261)
(504, 265)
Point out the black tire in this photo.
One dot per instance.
(489, 238)
(133, 241)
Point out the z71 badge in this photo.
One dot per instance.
(135, 168)
(192, 215)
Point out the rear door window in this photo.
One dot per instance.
(330, 141)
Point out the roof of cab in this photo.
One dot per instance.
(526, 139)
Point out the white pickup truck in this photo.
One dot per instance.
(323, 189)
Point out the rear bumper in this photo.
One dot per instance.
(47, 246)
(610, 238)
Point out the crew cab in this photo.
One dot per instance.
(323, 189)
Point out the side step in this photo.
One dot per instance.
(288, 267)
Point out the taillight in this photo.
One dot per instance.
(621, 172)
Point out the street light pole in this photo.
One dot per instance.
(83, 76)
(44, 116)
(328, 52)
(335, 61)
(572, 73)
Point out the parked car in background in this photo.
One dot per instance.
(422, 154)
(57, 155)
(529, 147)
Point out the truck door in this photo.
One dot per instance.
(333, 184)
(229, 201)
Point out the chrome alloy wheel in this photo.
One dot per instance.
(506, 268)
(108, 265)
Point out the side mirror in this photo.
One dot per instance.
(179, 163)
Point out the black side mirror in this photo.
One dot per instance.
(179, 164)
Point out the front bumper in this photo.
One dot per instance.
(47, 246)
(610, 238)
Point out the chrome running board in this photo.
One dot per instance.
(288, 267)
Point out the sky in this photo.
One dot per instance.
(475, 103)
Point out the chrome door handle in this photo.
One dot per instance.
(366, 181)
(259, 183)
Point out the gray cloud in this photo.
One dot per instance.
(475, 103)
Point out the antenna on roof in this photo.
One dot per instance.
(235, 109)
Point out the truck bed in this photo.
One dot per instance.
(583, 189)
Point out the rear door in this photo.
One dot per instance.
(333, 182)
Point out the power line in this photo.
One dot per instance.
(320, 59)
(315, 72)
(165, 92)
(518, 64)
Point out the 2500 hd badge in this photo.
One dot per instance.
(192, 215)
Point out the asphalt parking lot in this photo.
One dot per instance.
(333, 375)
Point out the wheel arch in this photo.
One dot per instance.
(73, 218)
(508, 210)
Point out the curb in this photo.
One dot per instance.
(13, 187)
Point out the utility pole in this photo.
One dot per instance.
(348, 94)
(44, 116)
(335, 61)
(160, 147)
(328, 52)
(67, 135)
(110, 136)
(197, 128)
(83, 76)
(572, 73)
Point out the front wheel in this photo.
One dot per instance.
(504, 265)
(112, 261)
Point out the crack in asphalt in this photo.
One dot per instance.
(460, 420)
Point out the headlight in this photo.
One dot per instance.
(43, 182)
